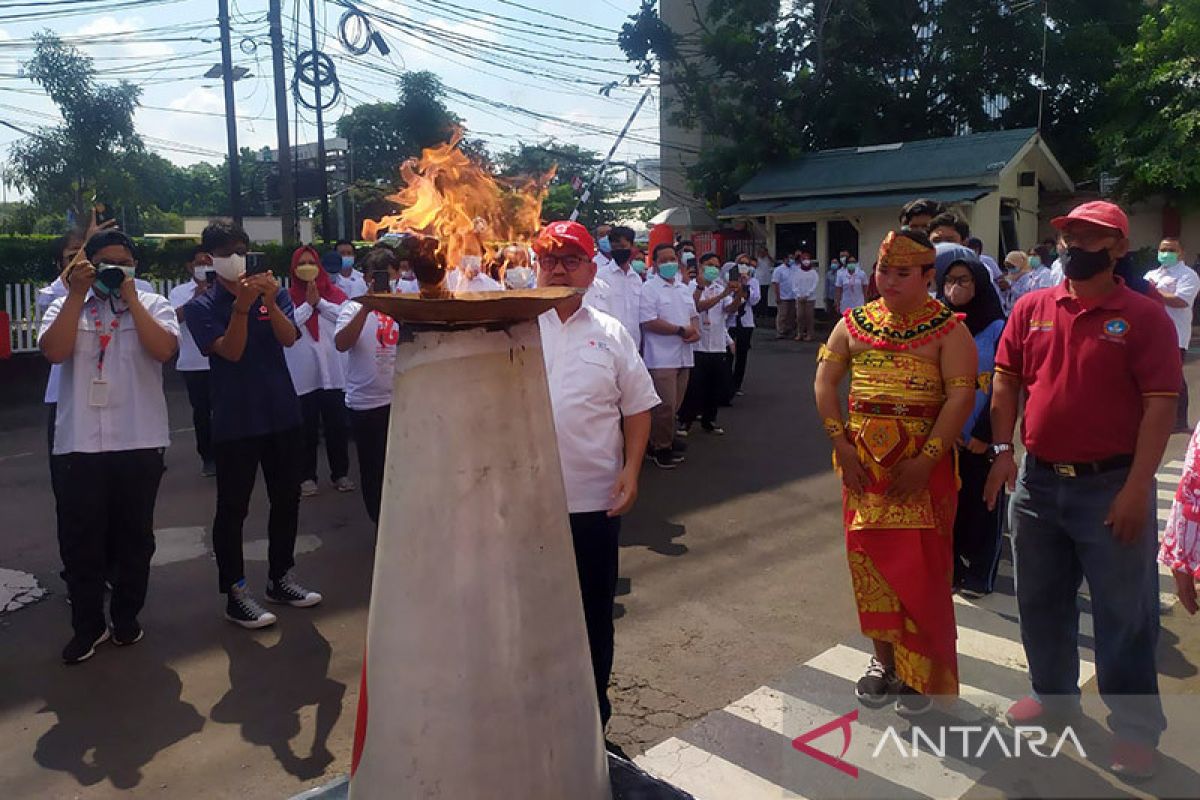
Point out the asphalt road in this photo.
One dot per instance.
(732, 573)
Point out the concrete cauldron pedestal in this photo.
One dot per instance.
(477, 682)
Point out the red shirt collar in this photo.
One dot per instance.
(1113, 301)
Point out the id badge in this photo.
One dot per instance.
(98, 393)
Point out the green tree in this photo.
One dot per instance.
(61, 166)
(573, 165)
(1152, 139)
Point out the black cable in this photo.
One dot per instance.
(316, 70)
(364, 31)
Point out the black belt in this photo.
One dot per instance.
(1078, 468)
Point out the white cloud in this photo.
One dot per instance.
(480, 30)
(100, 27)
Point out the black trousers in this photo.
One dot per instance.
(200, 398)
(977, 532)
(325, 408)
(741, 341)
(105, 506)
(1181, 413)
(708, 387)
(370, 440)
(237, 468)
(596, 536)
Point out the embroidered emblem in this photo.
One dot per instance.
(1041, 324)
(1116, 327)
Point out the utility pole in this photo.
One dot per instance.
(321, 166)
(287, 189)
(235, 166)
(599, 173)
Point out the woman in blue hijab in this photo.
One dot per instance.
(965, 285)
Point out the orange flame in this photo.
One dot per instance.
(469, 211)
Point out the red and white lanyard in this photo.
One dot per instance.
(105, 338)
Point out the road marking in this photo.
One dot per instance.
(705, 775)
(14, 456)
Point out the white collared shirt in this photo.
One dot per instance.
(853, 286)
(134, 416)
(1181, 281)
(714, 336)
(595, 378)
(371, 362)
(624, 300)
(406, 286)
(754, 294)
(480, 283)
(804, 283)
(674, 303)
(353, 285)
(784, 279)
(316, 364)
(190, 357)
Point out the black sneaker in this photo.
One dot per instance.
(715, 430)
(678, 445)
(127, 633)
(208, 469)
(877, 686)
(287, 591)
(663, 459)
(911, 703)
(242, 609)
(82, 647)
(683, 430)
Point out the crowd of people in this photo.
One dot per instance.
(939, 342)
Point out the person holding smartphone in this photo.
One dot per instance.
(192, 365)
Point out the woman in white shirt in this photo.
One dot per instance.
(318, 370)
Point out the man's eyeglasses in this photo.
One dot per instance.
(961, 280)
(569, 263)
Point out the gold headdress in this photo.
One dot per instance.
(900, 251)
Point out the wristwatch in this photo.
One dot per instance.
(680, 331)
(997, 449)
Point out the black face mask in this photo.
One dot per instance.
(1079, 264)
(621, 254)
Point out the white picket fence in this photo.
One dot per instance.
(20, 301)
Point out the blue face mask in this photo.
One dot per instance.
(669, 270)
(638, 266)
(604, 245)
(347, 262)
(1035, 262)
(711, 274)
(109, 278)
(1168, 258)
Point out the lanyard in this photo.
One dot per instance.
(105, 338)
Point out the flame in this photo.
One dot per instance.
(473, 214)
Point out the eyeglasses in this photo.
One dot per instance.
(961, 280)
(569, 263)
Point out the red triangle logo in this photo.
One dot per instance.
(842, 723)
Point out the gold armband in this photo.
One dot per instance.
(934, 448)
(825, 354)
(833, 427)
(962, 382)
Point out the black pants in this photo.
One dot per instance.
(201, 400)
(105, 506)
(741, 342)
(370, 439)
(977, 532)
(596, 536)
(708, 387)
(1181, 413)
(237, 467)
(325, 408)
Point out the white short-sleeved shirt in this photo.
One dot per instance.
(784, 278)
(135, 414)
(406, 286)
(674, 303)
(190, 357)
(480, 283)
(624, 297)
(804, 283)
(747, 312)
(1181, 281)
(316, 364)
(853, 286)
(764, 269)
(596, 377)
(371, 362)
(353, 285)
(714, 336)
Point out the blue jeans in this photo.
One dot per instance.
(1059, 538)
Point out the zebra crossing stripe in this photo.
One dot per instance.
(705, 775)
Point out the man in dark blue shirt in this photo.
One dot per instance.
(242, 323)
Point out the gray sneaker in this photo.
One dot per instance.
(877, 686)
(242, 609)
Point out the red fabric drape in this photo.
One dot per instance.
(325, 287)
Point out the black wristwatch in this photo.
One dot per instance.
(680, 331)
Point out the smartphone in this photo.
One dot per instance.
(381, 282)
(256, 263)
(210, 276)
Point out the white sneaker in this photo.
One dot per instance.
(308, 489)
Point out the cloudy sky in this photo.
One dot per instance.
(518, 70)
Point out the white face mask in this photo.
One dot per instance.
(201, 272)
(518, 277)
(229, 267)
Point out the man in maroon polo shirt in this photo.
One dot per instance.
(1100, 377)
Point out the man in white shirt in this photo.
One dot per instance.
(470, 277)
(851, 286)
(1177, 284)
(764, 270)
(601, 396)
(670, 325)
(740, 320)
(783, 284)
(708, 385)
(111, 430)
(370, 338)
(804, 286)
(192, 365)
(623, 286)
(342, 271)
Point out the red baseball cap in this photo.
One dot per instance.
(564, 232)
(1097, 212)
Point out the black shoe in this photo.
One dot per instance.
(678, 446)
(682, 430)
(715, 430)
(288, 592)
(911, 703)
(82, 647)
(127, 633)
(616, 750)
(663, 459)
(877, 686)
(208, 470)
(242, 609)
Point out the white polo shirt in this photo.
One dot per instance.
(853, 286)
(595, 378)
(353, 286)
(1181, 281)
(804, 283)
(624, 300)
(784, 277)
(316, 364)
(409, 286)
(747, 313)
(371, 362)
(190, 357)
(714, 336)
(674, 303)
(480, 283)
(134, 416)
